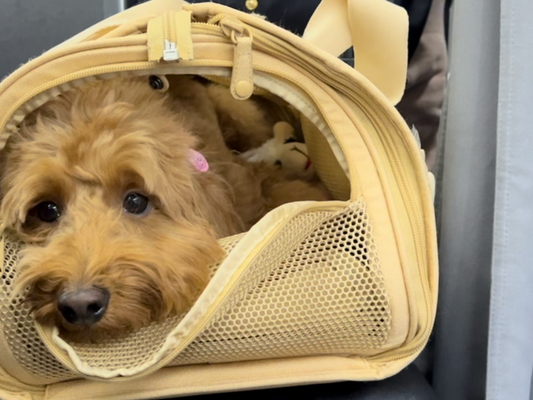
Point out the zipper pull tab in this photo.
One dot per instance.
(170, 53)
(242, 76)
(169, 37)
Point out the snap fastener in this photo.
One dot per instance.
(251, 4)
(244, 89)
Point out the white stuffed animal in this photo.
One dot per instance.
(285, 152)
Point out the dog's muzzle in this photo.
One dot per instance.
(84, 306)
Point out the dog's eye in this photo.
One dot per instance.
(47, 211)
(136, 203)
(278, 164)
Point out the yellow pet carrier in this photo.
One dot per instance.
(315, 291)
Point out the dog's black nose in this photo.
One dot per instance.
(84, 306)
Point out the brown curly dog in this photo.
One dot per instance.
(120, 193)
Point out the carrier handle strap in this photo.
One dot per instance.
(377, 30)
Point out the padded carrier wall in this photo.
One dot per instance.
(315, 291)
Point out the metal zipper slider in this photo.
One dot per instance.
(242, 78)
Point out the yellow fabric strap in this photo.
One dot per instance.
(169, 37)
(242, 79)
(377, 30)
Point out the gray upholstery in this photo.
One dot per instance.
(29, 27)
(483, 337)
(510, 357)
(466, 190)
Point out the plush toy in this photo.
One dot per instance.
(284, 151)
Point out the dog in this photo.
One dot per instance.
(120, 192)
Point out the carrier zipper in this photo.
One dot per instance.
(242, 80)
(169, 37)
(415, 220)
(170, 49)
(241, 85)
(21, 388)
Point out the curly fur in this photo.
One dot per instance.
(86, 149)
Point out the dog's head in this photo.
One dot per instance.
(99, 185)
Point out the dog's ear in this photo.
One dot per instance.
(12, 208)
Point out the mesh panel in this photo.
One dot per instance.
(143, 344)
(326, 296)
(18, 327)
(139, 347)
(30, 351)
(316, 288)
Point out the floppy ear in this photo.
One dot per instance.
(283, 131)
